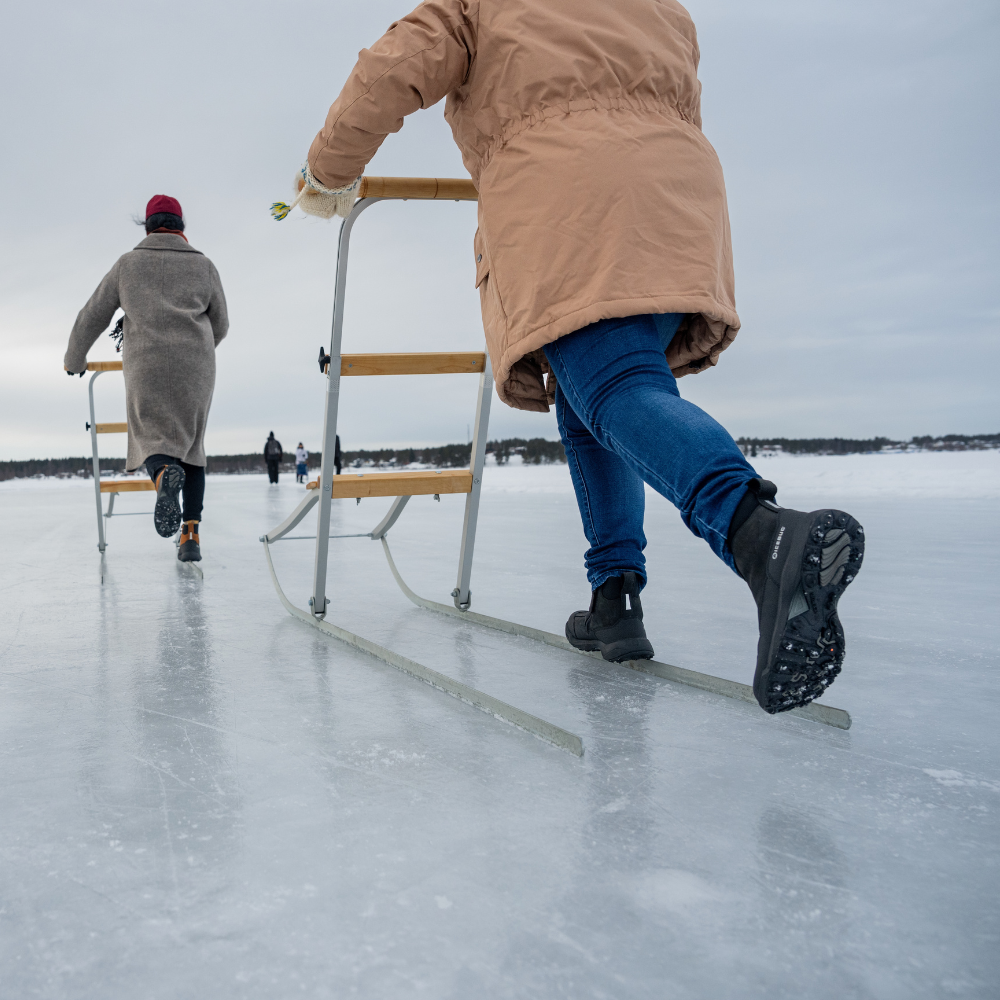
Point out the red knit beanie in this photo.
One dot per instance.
(163, 203)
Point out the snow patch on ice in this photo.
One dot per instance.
(616, 806)
(675, 891)
(969, 475)
(955, 779)
(552, 479)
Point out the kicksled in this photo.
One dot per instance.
(404, 485)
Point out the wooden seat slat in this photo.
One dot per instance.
(121, 428)
(417, 483)
(126, 485)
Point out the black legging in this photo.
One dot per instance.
(194, 483)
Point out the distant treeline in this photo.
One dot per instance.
(534, 451)
(446, 456)
(958, 442)
(244, 464)
(853, 446)
(84, 468)
(57, 467)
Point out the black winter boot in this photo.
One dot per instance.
(189, 547)
(167, 512)
(797, 566)
(613, 625)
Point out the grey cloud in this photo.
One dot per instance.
(859, 143)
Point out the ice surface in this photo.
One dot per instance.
(202, 796)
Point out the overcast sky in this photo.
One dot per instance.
(858, 139)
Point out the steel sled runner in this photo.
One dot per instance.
(403, 485)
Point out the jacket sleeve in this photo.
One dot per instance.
(218, 314)
(93, 320)
(419, 60)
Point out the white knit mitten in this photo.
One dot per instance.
(314, 198)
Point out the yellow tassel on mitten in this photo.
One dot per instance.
(316, 199)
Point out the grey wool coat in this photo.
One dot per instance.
(175, 316)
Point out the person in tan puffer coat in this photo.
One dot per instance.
(605, 272)
(580, 123)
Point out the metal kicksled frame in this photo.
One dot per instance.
(112, 486)
(403, 485)
(116, 486)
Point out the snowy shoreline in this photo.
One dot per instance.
(973, 475)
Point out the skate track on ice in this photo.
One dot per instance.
(202, 796)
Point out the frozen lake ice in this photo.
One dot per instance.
(202, 796)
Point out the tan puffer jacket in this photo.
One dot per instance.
(580, 123)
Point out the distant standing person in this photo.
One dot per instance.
(336, 454)
(272, 456)
(301, 464)
(175, 317)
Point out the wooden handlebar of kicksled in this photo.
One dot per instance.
(101, 366)
(426, 188)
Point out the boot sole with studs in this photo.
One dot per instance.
(810, 651)
(167, 512)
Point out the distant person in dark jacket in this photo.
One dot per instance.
(336, 454)
(272, 455)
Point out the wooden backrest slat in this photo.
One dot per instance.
(431, 363)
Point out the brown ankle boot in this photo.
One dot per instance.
(189, 549)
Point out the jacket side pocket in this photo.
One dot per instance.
(494, 316)
(482, 259)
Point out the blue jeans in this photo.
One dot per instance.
(623, 423)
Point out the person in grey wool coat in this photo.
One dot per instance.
(175, 317)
